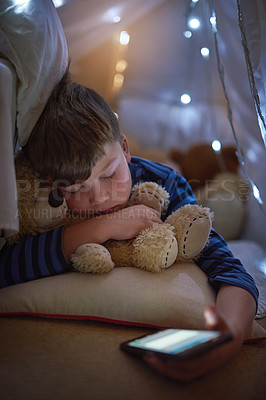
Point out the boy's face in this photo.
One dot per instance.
(109, 186)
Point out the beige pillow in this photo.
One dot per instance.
(174, 298)
(170, 298)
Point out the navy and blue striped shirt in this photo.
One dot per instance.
(41, 255)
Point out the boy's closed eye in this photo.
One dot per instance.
(75, 190)
(109, 177)
(80, 188)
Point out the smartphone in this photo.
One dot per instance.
(176, 343)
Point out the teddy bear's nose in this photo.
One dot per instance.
(55, 198)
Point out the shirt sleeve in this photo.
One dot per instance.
(180, 192)
(216, 259)
(220, 265)
(32, 258)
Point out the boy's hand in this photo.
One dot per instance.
(186, 371)
(119, 225)
(129, 222)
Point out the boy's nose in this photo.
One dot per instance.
(99, 197)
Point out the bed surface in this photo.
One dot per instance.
(45, 358)
(61, 359)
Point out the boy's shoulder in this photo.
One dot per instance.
(144, 169)
(138, 162)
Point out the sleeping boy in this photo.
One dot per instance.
(77, 145)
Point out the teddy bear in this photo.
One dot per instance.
(217, 184)
(180, 238)
(200, 163)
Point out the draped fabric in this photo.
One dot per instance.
(33, 57)
(254, 31)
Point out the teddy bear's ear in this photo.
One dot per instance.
(50, 208)
(176, 156)
(55, 198)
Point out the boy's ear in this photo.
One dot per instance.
(125, 146)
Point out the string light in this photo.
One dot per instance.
(187, 34)
(116, 19)
(205, 52)
(216, 145)
(118, 80)
(194, 23)
(185, 98)
(121, 65)
(124, 38)
(213, 22)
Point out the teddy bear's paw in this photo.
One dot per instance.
(92, 258)
(155, 248)
(195, 238)
(151, 195)
(192, 228)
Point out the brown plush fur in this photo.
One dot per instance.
(28, 183)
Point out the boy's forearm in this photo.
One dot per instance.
(238, 308)
(89, 231)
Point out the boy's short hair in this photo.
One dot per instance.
(70, 135)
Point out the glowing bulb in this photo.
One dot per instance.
(194, 23)
(256, 193)
(205, 52)
(213, 20)
(216, 145)
(116, 19)
(124, 38)
(121, 65)
(213, 23)
(185, 98)
(195, 1)
(187, 34)
(118, 80)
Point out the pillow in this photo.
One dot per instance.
(174, 298)
(124, 294)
